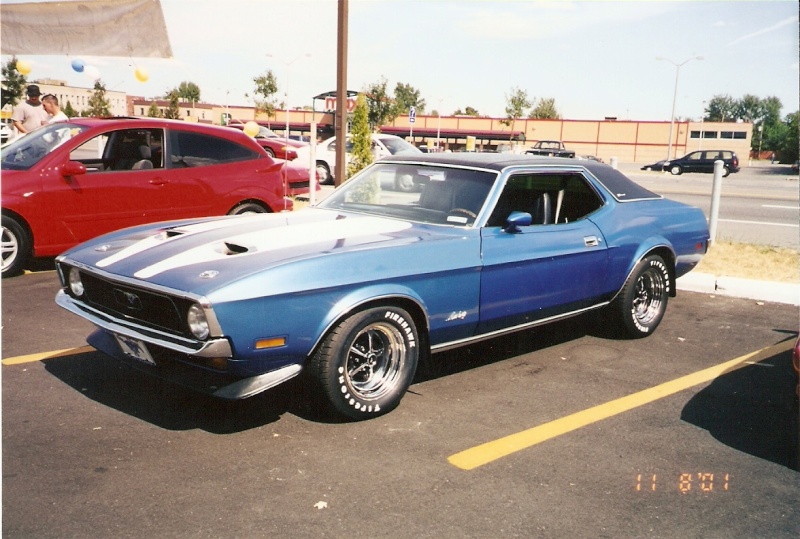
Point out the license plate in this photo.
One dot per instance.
(135, 348)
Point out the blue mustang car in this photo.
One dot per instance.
(356, 291)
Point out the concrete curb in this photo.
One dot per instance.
(774, 292)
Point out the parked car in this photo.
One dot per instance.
(71, 181)
(357, 290)
(703, 161)
(657, 166)
(550, 148)
(6, 132)
(386, 145)
(274, 144)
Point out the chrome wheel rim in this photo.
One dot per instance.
(9, 248)
(648, 296)
(375, 361)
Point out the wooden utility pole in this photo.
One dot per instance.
(340, 132)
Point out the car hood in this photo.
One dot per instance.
(301, 250)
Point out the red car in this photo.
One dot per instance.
(71, 181)
(273, 144)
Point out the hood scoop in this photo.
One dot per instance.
(230, 248)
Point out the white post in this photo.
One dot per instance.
(613, 163)
(312, 166)
(716, 193)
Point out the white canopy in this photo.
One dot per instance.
(128, 28)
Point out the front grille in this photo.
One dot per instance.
(145, 307)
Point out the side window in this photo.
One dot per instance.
(125, 149)
(198, 150)
(695, 156)
(549, 198)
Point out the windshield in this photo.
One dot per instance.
(28, 150)
(415, 192)
(398, 146)
(263, 132)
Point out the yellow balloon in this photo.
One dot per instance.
(23, 67)
(141, 74)
(251, 129)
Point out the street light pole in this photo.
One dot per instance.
(286, 112)
(675, 96)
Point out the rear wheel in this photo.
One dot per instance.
(323, 173)
(640, 306)
(248, 207)
(365, 365)
(726, 172)
(15, 248)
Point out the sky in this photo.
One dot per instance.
(595, 58)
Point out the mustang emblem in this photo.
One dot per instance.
(129, 300)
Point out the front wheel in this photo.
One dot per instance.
(675, 170)
(365, 365)
(15, 248)
(640, 306)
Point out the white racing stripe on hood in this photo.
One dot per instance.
(162, 237)
(274, 239)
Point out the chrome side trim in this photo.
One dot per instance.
(211, 348)
(492, 334)
(255, 385)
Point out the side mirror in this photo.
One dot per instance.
(73, 168)
(516, 220)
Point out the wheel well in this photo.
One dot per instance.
(407, 304)
(21, 222)
(669, 258)
(251, 201)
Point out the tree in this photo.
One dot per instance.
(406, 96)
(188, 91)
(69, 110)
(153, 111)
(381, 107)
(469, 111)
(721, 108)
(98, 104)
(516, 103)
(264, 93)
(14, 83)
(361, 137)
(545, 110)
(173, 111)
(788, 145)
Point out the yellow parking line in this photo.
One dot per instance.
(31, 358)
(474, 457)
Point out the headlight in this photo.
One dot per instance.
(75, 283)
(198, 324)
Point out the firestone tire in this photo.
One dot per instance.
(365, 365)
(641, 304)
(15, 248)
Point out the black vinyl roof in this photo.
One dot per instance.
(619, 185)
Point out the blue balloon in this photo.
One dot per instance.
(78, 65)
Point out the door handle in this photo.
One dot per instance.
(591, 241)
(158, 181)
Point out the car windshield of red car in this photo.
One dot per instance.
(28, 150)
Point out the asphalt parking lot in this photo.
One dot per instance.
(562, 431)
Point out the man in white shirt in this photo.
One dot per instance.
(50, 104)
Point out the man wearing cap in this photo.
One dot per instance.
(29, 114)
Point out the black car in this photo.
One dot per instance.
(703, 161)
